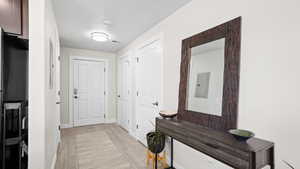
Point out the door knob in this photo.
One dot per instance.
(75, 97)
(155, 104)
(119, 96)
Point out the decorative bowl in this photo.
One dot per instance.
(241, 135)
(167, 114)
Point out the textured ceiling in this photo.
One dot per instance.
(129, 18)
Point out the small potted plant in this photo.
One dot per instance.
(156, 141)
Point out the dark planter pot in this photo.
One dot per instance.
(156, 142)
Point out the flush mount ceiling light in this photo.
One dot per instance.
(100, 36)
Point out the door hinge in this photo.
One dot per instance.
(104, 116)
(137, 93)
(104, 92)
(137, 60)
(104, 69)
(137, 126)
(58, 57)
(58, 127)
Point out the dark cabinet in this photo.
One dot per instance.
(14, 17)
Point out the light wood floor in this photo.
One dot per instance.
(104, 146)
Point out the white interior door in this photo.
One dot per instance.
(119, 100)
(88, 92)
(148, 80)
(57, 87)
(124, 93)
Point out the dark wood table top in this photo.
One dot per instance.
(190, 129)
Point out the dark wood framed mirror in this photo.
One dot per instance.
(209, 77)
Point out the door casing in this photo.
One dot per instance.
(127, 57)
(85, 58)
(159, 38)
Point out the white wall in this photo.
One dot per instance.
(36, 109)
(43, 117)
(52, 111)
(65, 57)
(269, 84)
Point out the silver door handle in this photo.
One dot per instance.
(58, 102)
(155, 104)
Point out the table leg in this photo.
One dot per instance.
(272, 154)
(172, 154)
(155, 160)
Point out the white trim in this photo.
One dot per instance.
(126, 56)
(65, 126)
(110, 121)
(54, 160)
(157, 37)
(118, 90)
(89, 122)
(89, 58)
(132, 111)
(107, 121)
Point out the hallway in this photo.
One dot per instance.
(100, 147)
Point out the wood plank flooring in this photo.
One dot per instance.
(105, 146)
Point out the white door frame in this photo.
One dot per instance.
(127, 55)
(71, 73)
(159, 37)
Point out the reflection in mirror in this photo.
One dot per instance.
(205, 84)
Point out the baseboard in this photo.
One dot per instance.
(108, 121)
(89, 122)
(54, 161)
(176, 165)
(132, 133)
(65, 126)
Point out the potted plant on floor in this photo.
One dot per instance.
(156, 141)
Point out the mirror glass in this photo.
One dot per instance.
(205, 84)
